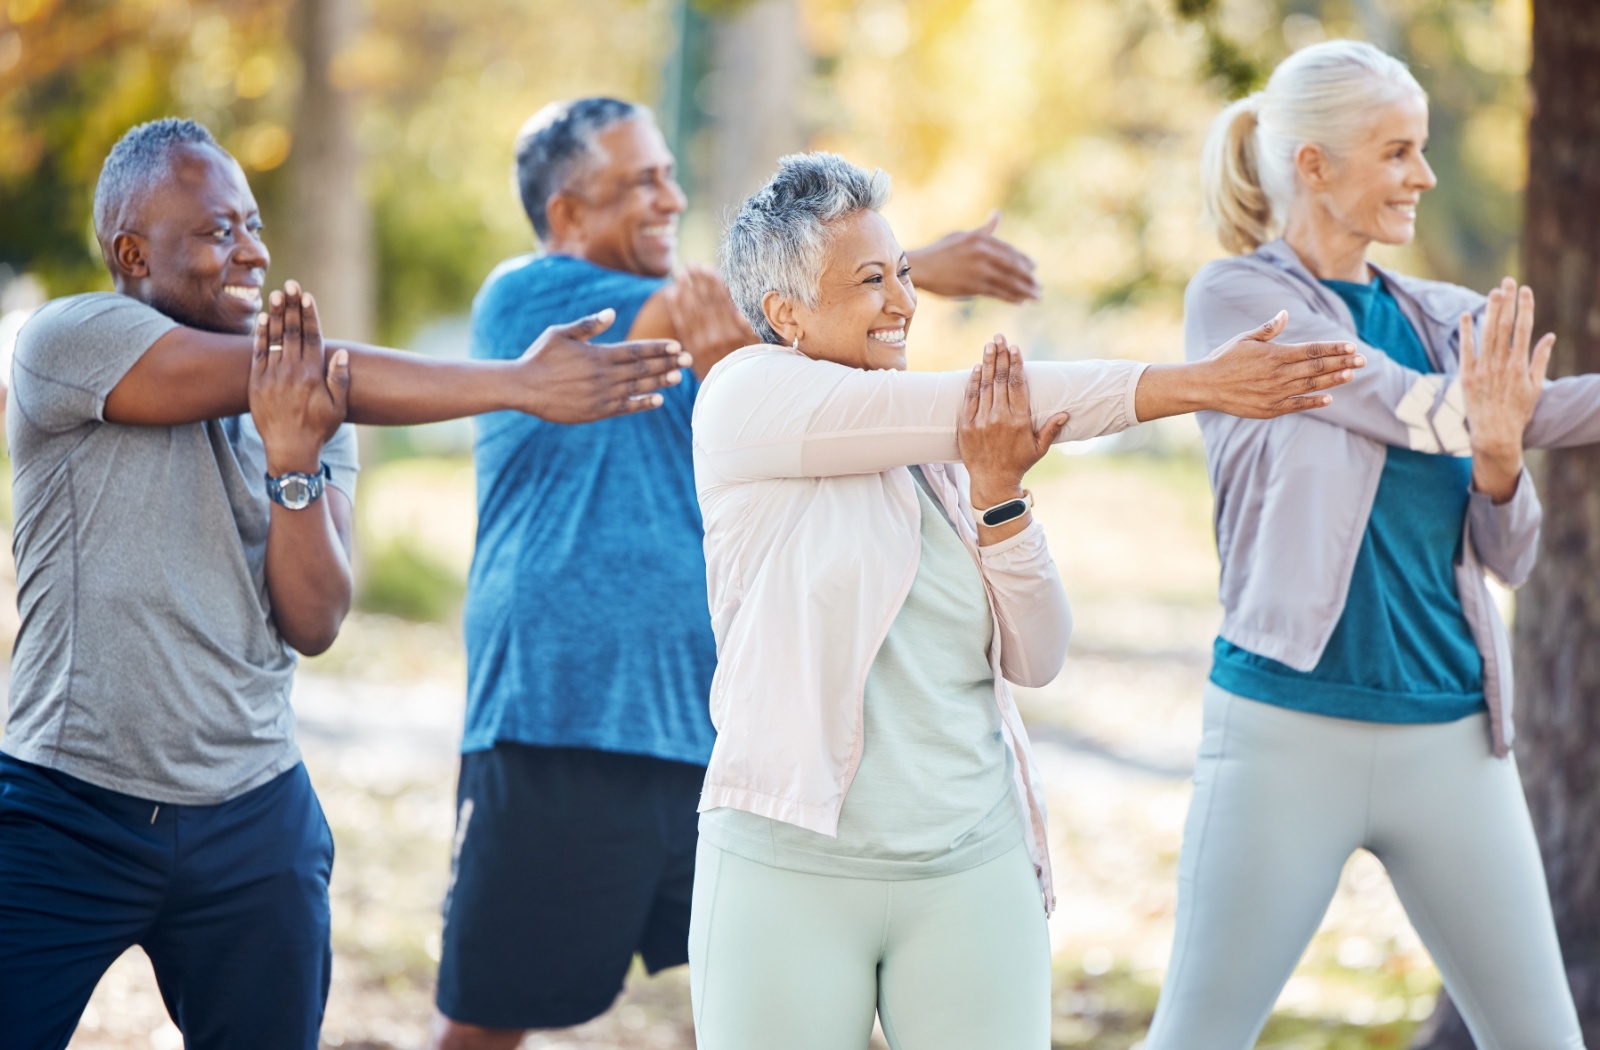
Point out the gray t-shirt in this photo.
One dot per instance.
(147, 662)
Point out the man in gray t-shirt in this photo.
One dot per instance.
(183, 490)
(148, 662)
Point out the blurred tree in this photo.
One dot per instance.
(1558, 611)
(326, 243)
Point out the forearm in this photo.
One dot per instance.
(1170, 390)
(1568, 413)
(1034, 620)
(1496, 469)
(926, 273)
(190, 376)
(1505, 535)
(394, 388)
(308, 576)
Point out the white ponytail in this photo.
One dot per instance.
(1323, 94)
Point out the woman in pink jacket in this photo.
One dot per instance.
(872, 830)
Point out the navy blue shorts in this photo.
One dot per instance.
(567, 863)
(229, 901)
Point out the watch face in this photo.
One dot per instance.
(296, 492)
(1005, 512)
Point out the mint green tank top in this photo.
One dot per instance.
(932, 795)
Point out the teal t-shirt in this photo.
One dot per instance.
(1402, 650)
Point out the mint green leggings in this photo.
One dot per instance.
(784, 960)
(1281, 800)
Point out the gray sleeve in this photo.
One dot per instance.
(1385, 401)
(1506, 536)
(1568, 414)
(343, 464)
(74, 351)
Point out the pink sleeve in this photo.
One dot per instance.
(1032, 616)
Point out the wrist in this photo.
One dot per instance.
(305, 460)
(1501, 456)
(991, 494)
(1172, 390)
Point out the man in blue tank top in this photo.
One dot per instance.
(585, 747)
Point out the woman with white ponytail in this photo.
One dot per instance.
(1360, 695)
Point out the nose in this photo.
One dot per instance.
(673, 201)
(251, 251)
(1424, 176)
(902, 298)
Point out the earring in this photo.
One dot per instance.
(796, 344)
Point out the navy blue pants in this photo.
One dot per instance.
(229, 901)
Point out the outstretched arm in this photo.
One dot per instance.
(974, 262)
(190, 375)
(780, 414)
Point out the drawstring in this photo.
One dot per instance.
(154, 813)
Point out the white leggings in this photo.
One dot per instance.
(1283, 798)
(784, 960)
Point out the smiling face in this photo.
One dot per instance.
(1371, 189)
(192, 248)
(622, 213)
(865, 299)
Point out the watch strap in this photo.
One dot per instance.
(1001, 513)
(315, 484)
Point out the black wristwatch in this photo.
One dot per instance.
(1001, 513)
(297, 491)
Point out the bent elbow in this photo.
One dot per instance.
(314, 639)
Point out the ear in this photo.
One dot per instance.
(782, 316)
(129, 257)
(1314, 165)
(563, 211)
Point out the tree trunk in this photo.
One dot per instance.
(327, 232)
(1558, 612)
(761, 68)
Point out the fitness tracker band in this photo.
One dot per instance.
(1001, 513)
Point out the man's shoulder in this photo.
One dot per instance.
(526, 293)
(63, 328)
(69, 313)
(537, 270)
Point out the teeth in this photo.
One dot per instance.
(889, 335)
(665, 230)
(239, 291)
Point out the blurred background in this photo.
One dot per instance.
(377, 135)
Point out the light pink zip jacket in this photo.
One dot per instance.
(812, 543)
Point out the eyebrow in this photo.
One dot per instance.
(879, 262)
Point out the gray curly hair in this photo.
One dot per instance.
(777, 241)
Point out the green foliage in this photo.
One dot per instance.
(1112, 1010)
(1228, 62)
(720, 8)
(398, 579)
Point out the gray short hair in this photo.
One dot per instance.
(776, 242)
(555, 142)
(140, 160)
